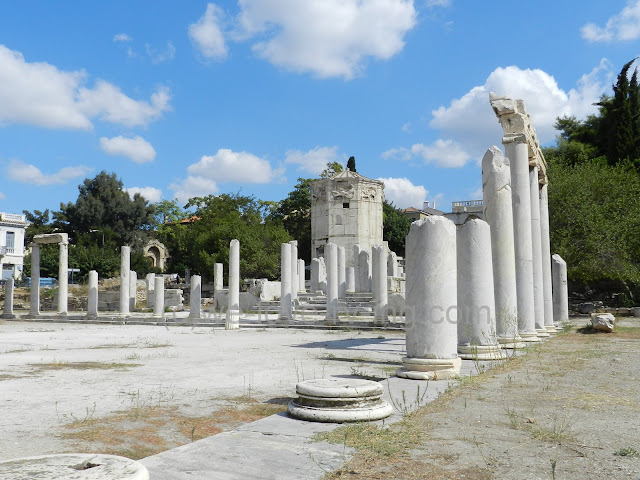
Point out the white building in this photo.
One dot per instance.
(12, 230)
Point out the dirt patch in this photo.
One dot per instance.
(63, 365)
(566, 410)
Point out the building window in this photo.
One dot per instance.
(345, 205)
(10, 241)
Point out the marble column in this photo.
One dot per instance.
(315, 275)
(365, 271)
(546, 260)
(63, 279)
(133, 290)
(498, 213)
(294, 270)
(34, 297)
(8, 299)
(301, 276)
(331, 258)
(92, 297)
(285, 282)
(150, 279)
(233, 298)
(342, 272)
(158, 296)
(218, 277)
(392, 264)
(536, 244)
(476, 302)
(125, 266)
(195, 298)
(518, 154)
(323, 276)
(356, 266)
(560, 290)
(350, 280)
(380, 292)
(432, 337)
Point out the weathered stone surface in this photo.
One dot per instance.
(294, 269)
(546, 260)
(315, 275)
(560, 289)
(351, 280)
(8, 299)
(125, 267)
(233, 299)
(365, 271)
(285, 282)
(195, 297)
(603, 322)
(34, 295)
(158, 296)
(331, 256)
(536, 244)
(379, 280)
(339, 400)
(73, 466)
(342, 272)
(92, 296)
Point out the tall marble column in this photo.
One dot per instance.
(331, 259)
(431, 297)
(63, 279)
(8, 299)
(546, 259)
(92, 297)
(560, 289)
(536, 243)
(34, 297)
(285, 282)
(301, 276)
(233, 298)
(498, 213)
(518, 154)
(133, 290)
(195, 297)
(342, 272)
(476, 303)
(350, 280)
(356, 266)
(125, 266)
(380, 292)
(158, 296)
(294, 270)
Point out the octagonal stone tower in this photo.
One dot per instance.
(346, 209)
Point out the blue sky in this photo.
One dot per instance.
(184, 99)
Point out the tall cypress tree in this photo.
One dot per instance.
(634, 102)
(620, 137)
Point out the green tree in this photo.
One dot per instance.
(332, 169)
(295, 214)
(395, 227)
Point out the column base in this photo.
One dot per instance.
(232, 321)
(481, 352)
(7, 316)
(511, 342)
(551, 329)
(529, 337)
(429, 368)
(330, 321)
(542, 332)
(90, 316)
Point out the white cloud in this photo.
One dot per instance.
(122, 37)
(137, 148)
(229, 166)
(207, 36)
(150, 194)
(403, 193)
(329, 38)
(442, 153)
(2, 196)
(26, 173)
(313, 161)
(438, 3)
(161, 56)
(193, 187)
(40, 94)
(624, 26)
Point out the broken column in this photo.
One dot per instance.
(476, 303)
(350, 280)
(63, 277)
(323, 276)
(380, 292)
(392, 264)
(331, 258)
(365, 271)
(315, 275)
(342, 273)
(218, 277)
(285, 282)
(294, 270)
(356, 266)
(546, 259)
(233, 298)
(195, 297)
(92, 295)
(133, 289)
(149, 280)
(158, 296)
(560, 290)
(301, 276)
(125, 266)
(34, 297)
(536, 244)
(8, 299)
(432, 339)
(498, 213)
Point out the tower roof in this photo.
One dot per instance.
(346, 173)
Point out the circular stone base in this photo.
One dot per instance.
(233, 320)
(429, 368)
(551, 329)
(74, 466)
(530, 337)
(542, 332)
(339, 400)
(511, 342)
(481, 352)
